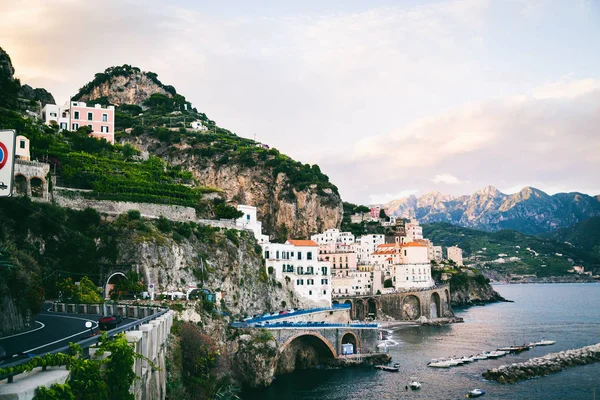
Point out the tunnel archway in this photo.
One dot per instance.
(352, 316)
(372, 308)
(20, 185)
(350, 338)
(435, 306)
(110, 282)
(360, 310)
(302, 351)
(411, 308)
(37, 187)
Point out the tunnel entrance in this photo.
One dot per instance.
(303, 352)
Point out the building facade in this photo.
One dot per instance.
(455, 254)
(296, 263)
(76, 114)
(249, 221)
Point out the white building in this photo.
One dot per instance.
(366, 245)
(407, 264)
(355, 283)
(455, 254)
(250, 222)
(198, 126)
(22, 148)
(413, 231)
(333, 236)
(296, 263)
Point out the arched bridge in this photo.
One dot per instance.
(406, 305)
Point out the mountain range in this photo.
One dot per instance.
(529, 211)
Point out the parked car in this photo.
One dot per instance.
(109, 322)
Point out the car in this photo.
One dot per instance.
(109, 322)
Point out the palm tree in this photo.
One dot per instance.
(5, 258)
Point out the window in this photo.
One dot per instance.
(76, 115)
(53, 115)
(22, 144)
(75, 127)
(299, 256)
(300, 270)
(310, 292)
(310, 281)
(323, 281)
(277, 254)
(309, 255)
(404, 252)
(90, 116)
(104, 117)
(63, 125)
(267, 254)
(91, 127)
(324, 291)
(104, 129)
(323, 270)
(248, 217)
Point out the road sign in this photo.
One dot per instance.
(7, 162)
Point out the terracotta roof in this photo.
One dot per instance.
(379, 252)
(387, 245)
(414, 244)
(302, 243)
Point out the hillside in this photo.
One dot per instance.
(585, 235)
(529, 211)
(293, 199)
(511, 252)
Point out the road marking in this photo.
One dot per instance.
(25, 333)
(63, 339)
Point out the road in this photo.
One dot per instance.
(52, 330)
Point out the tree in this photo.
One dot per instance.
(84, 292)
(132, 284)
(362, 209)
(388, 283)
(382, 214)
(224, 211)
(5, 258)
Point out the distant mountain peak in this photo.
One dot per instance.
(529, 211)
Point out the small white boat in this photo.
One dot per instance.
(544, 342)
(414, 385)
(475, 393)
(442, 364)
(482, 356)
(497, 353)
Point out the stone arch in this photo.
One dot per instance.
(37, 187)
(108, 287)
(360, 310)
(435, 310)
(303, 350)
(20, 185)
(411, 308)
(334, 302)
(350, 337)
(351, 308)
(372, 308)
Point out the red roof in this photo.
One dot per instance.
(302, 243)
(414, 244)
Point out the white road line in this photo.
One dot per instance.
(25, 333)
(63, 339)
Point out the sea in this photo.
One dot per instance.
(566, 313)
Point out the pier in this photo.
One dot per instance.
(541, 366)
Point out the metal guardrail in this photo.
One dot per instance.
(85, 344)
(296, 313)
(311, 324)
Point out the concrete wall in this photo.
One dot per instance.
(70, 199)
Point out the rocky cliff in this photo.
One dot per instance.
(250, 175)
(472, 292)
(529, 211)
(123, 85)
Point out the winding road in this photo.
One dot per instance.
(53, 330)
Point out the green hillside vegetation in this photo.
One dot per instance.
(545, 257)
(585, 235)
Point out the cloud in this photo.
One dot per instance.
(447, 179)
(565, 89)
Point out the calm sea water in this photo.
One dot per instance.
(567, 313)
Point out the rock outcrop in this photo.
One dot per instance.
(473, 292)
(123, 85)
(546, 365)
(41, 95)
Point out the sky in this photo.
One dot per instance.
(390, 98)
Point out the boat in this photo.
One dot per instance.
(514, 349)
(475, 393)
(397, 365)
(544, 342)
(414, 385)
(497, 353)
(386, 368)
(442, 364)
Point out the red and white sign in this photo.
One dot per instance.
(7, 162)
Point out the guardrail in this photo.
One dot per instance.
(296, 313)
(85, 344)
(276, 325)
